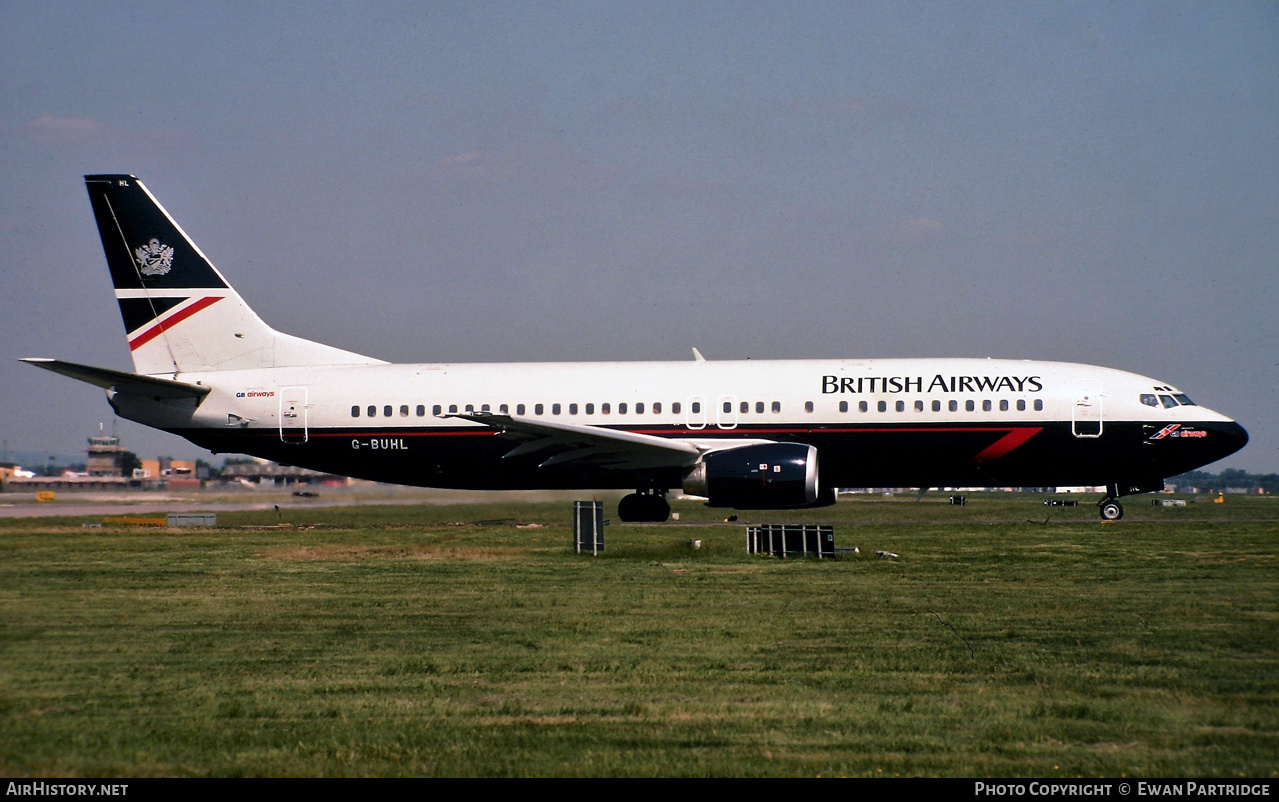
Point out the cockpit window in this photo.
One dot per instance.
(1184, 400)
(1149, 399)
(1168, 401)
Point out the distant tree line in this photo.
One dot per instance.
(1230, 478)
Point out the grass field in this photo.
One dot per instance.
(1008, 639)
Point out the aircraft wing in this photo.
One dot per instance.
(594, 445)
(121, 382)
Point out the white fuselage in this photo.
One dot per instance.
(693, 397)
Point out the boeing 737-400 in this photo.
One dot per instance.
(744, 434)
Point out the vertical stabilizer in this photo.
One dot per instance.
(179, 313)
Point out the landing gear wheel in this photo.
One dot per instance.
(1111, 510)
(630, 508)
(643, 508)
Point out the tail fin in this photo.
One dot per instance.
(180, 314)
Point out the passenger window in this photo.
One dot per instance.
(372, 410)
(605, 409)
(970, 406)
(986, 406)
(1021, 405)
(953, 406)
(900, 406)
(862, 406)
(470, 409)
(435, 410)
(537, 409)
(590, 409)
(1039, 405)
(519, 409)
(621, 408)
(883, 406)
(504, 409)
(1003, 405)
(452, 409)
(759, 406)
(808, 406)
(404, 410)
(777, 406)
(697, 407)
(386, 411)
(555, 409)
(639, 408)
(919, 406)
(675, 408)
(746, 407)
(936, 406)
(355, 411)
(657, 407)
(843, 406)
(728, 407)
(421, 410)
(572, 409)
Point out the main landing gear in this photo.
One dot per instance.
(644, 507)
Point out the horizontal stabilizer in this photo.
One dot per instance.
(121, 382)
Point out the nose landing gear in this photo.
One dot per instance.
(1110, 509)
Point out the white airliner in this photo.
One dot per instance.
(743, 434)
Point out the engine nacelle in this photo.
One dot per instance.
(768, 476)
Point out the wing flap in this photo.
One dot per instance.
(595, 445)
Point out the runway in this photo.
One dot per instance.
(24, 505)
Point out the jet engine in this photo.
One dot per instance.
(767, 476)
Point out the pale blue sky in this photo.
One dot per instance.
(1090, 182)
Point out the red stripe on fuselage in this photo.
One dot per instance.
(164, 324)
(1005, 444)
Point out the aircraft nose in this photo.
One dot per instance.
(1230, 438)
(1199, 444)
(1218, 440)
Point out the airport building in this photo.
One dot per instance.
(105, 469)
(105, 456)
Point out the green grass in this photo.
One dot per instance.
(413, 641)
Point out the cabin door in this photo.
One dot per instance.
(695, 412)
(1086, 414)
(293, 414)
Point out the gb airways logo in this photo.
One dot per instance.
(154, 258)
(1175, 430)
